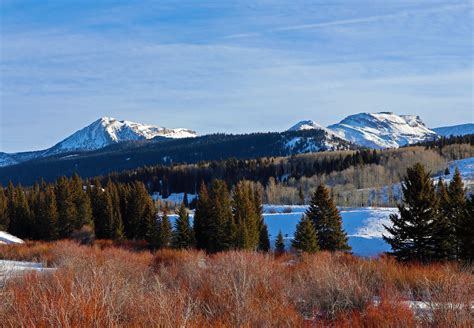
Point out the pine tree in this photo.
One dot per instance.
(82, 203)
(456, 208)
(466, 233)
(47, 216)
(137, 208)
(10, 194)
(443, 229)
(152, 234)
(264, 240)
(165, 231)
(214, 225)
(305, 239)
(327, 222)
(279, 244)
(67, 213)
(21, 221)
(183, 236)
(411, 234)
(202, 219)
(246, 217)
(116, 229)
(4, 220)
(104, 219)
(222, 222)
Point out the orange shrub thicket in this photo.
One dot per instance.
(105, 285)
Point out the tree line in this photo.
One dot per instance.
(435, 222)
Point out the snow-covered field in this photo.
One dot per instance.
(364, 226)
(466, 168)
(6, 238)
(9, 269)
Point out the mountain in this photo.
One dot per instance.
(310, 125)
(455, 130)
(165, 151)
(101, 133)
(7, 159)
(382, 130)
(106, 131)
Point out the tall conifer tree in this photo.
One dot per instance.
(165, 230)
(183, 236)
(327, 221)
(456, 208)
(411, 233)
(279, 244)
(4, 220)
(444, 237)
(305, 239)
(466, 232)
(67, 213)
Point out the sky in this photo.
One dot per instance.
(229, 66)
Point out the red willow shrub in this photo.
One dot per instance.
(107, 285)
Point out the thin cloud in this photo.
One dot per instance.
(352, 21)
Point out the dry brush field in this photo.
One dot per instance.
(109, 286)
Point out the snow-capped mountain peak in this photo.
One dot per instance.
(107, 130)
(311, 125)
(383, 130)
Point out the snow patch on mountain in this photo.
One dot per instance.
(310, 125)
(455, 130)
(7, 159)
(383, 130)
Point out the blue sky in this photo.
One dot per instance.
(229, 66)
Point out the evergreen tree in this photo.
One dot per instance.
(202, 219)
(10, 194)
(140, 209)
(82, 203)
(222, 222)
(116, 229)
(443, 230)
(279, 244)
(4, 220)
(305, 239)
(411, 234)
(165, 231)
(104, 215)
(246, 218)
(327, 221)
(152, 234)
(214, 225)
(183, 236)
(466, 233)
(264, 240)
(47, 215)
(456, 208)
(67, 213)
(21, 221)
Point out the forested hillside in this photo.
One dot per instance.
(131, 155)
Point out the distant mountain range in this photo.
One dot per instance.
(129, 155)
(104, 132)
(376, 130)
(384, 129)
(109, 145)
(455, 130)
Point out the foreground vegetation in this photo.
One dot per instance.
(106, 285)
